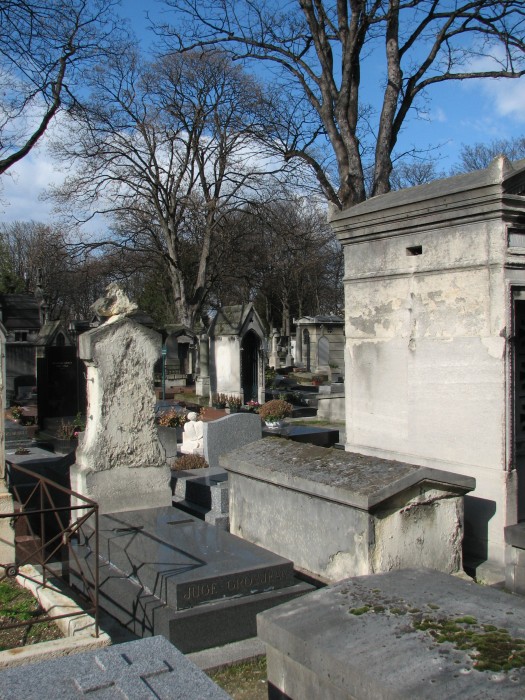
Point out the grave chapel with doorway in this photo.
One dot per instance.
(236, 353)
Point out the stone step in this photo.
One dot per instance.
(221, 520)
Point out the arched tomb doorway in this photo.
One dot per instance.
(250, 350)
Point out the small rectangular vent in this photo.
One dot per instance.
(415, 250)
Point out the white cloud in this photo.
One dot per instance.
(505, 95)
(22, 186)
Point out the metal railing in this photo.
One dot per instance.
(53, 516)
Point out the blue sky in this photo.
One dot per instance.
(456, 114)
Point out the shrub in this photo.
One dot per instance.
(189, 462)
(274, 410)
(220, 400)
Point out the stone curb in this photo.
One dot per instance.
(78, 630)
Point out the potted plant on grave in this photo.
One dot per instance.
(219, 401)
(170, 419)
(234, 404)
(274, 412)
(317, 379)
(252, 406)
(68, 433)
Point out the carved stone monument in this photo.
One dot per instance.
(120, 461)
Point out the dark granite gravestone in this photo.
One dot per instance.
(203, 493)
(322, 437)
(139, 670)
(166, 572)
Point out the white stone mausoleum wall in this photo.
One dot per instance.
(428, 284)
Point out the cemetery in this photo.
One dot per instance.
(341, 547)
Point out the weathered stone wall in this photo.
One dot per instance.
(337, 514)
(426, 347)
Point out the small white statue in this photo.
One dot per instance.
(193, 435)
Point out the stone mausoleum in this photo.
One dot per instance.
(237, 353)
(319, 343)
(435, 338)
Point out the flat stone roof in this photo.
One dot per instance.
(346, 477)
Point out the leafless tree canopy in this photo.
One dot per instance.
(478, 156)
(284, 258)
(44, 47)
(323, 52)
(34, 253)
(167, 149)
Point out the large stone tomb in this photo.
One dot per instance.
(397, 636)
(166, 572)
(139, 670)
(339, 514)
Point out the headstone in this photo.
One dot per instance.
(139, 670)
(339, 514)
(403, 634)
(120, 462)
(229, 433)
(165, 572)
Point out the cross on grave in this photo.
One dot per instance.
(124, 674)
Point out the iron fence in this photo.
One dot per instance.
(53, 516)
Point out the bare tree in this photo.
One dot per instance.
(34, 253)
(44, 47)
(297, 268)
(412, 173)
(320, 50)
(479, 155)
(166, 149)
